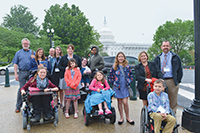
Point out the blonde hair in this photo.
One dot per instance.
(39, 68)
(117, 62)
(139, 56)
(95, 77)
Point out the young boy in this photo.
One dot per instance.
(158, 108)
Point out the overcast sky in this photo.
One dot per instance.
(131, 21)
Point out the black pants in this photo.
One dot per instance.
(41, 103)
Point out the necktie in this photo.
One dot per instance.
(164, 63)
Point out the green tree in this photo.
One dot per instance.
(72, 26)
(10, 43)
(21, 18)
(181, 36)
(104, 54)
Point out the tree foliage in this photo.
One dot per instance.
(71, 25)
(20, 19)
(180, 34)
(10, 43)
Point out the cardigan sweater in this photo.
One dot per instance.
(94, 86)
(114, 76)
(73, 83)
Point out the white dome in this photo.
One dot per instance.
(106, 35)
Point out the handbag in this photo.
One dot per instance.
(130, 91)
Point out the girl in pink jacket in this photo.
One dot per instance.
(100, 93)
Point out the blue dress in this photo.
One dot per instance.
(123, 91)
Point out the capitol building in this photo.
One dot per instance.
(111, 47)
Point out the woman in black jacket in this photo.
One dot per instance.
(144, 72)
(63, 64)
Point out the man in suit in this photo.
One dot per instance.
(170, 65)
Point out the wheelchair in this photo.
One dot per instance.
(93, 115)
(147, 123)
(28, 112)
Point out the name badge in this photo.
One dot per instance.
(166, 69)
(57, 70)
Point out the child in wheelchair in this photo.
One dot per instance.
(101, 93)
(159, 109)
(98, 101)
(85, 71)
(39, 97)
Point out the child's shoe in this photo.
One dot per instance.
(75, 115)
(100, 112)
(107, 111)
(67, 115)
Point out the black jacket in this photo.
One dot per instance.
(140, 73)
(177, 69)
(64, 61)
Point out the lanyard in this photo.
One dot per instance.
(57, 62)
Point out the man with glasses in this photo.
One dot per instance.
(21, 61)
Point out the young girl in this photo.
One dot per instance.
(41, 101)
(72, 78)
(101, 92)
(121, 77)
(39, 60)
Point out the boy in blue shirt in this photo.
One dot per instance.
(158, 108)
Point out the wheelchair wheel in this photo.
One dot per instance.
(113, 117)
(24, 122)
(173, 114)
(86, 117)
(29, 127)
(144, 120)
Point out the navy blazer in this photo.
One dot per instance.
(140, 73)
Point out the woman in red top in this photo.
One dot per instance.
(145, 71)
(40, 102)
(72, 78)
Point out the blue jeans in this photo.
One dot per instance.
(23, 78)
(85, 79)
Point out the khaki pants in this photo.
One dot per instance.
(171, 121)
(172, 94)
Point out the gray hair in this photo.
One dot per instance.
(26, 40)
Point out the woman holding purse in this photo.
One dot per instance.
(121, 77)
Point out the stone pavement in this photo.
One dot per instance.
(10, 122)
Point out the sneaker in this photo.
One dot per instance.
(17, 110)
(100, 112)
(107, 111)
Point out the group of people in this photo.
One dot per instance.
(67, 73)
(166, 67)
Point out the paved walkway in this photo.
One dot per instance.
(10, 122)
